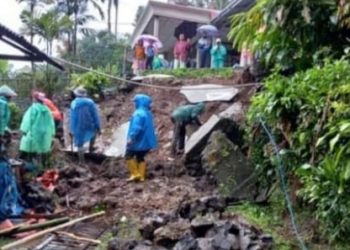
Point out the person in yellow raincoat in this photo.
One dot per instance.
(38, 129)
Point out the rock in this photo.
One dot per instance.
(266, 241)
(200, 225)
(198, 140)
(169, 234)
(205, 243)
(224, 241)
(151, 222)
(234, 173)
(187, 243)
(121, 244)
(214, 203)
(115, 230)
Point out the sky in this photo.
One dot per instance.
(10, 12)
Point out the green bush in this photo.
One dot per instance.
(192, 73)
(92, 82)
(16, 116)
(309, 116)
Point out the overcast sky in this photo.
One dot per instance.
(9, 16)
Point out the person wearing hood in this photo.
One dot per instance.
(181, 117)
(218, 55)
(6, 93)
(141, 137)
(56, 113)
(37, 127)
(84, 121)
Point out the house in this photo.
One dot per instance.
(166, 21)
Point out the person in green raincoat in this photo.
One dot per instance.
(218, 55)
(6, 93)
(37, 127)
(181, 117)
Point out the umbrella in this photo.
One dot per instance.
(149, 38)
(186, 28)
(209, 30)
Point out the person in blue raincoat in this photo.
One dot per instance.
(218, 55)
(141, 137)
(84, 121)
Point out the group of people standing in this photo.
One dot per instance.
(211, 55)
(40, 121)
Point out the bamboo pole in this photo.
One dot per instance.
(30, 227)
(17, 244)
(76, 237)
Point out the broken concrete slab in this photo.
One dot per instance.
(224, 122)
(209, 93)
(234, 173)
(119, 140)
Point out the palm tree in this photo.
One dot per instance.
(48, 26)
(77, 10)
(112, 3)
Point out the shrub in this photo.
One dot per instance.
(309, 116)
(92, 82)
(16, 116)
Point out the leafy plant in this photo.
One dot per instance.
(309, 116)
(92, 82)
(16, 116)
(293, 33)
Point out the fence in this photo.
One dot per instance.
(23, 86)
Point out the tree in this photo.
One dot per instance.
(48, 26)
(78, 11)
(107, 50)
(111, 3)
(293, 33)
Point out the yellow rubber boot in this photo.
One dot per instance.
(142, 170)
(134, 173)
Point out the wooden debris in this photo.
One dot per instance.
(17, 244)
(96, 242)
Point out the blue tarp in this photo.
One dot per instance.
(10, 200)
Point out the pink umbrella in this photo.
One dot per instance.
(147, 39)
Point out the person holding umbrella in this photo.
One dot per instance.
(181, 50)
(218, 55)
(204, 46)
(139, 58)
(150, 53)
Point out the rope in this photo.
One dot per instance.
(150, 85)
(284, 185)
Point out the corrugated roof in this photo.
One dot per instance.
(236, 6)
(31, 53)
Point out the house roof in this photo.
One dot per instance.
(31, 53)
(171, 16)
(236, 6)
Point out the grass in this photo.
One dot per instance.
(193, 73)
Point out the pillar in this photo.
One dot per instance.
(156, 26)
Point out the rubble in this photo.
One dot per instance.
(38, 198)
(212, 230)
